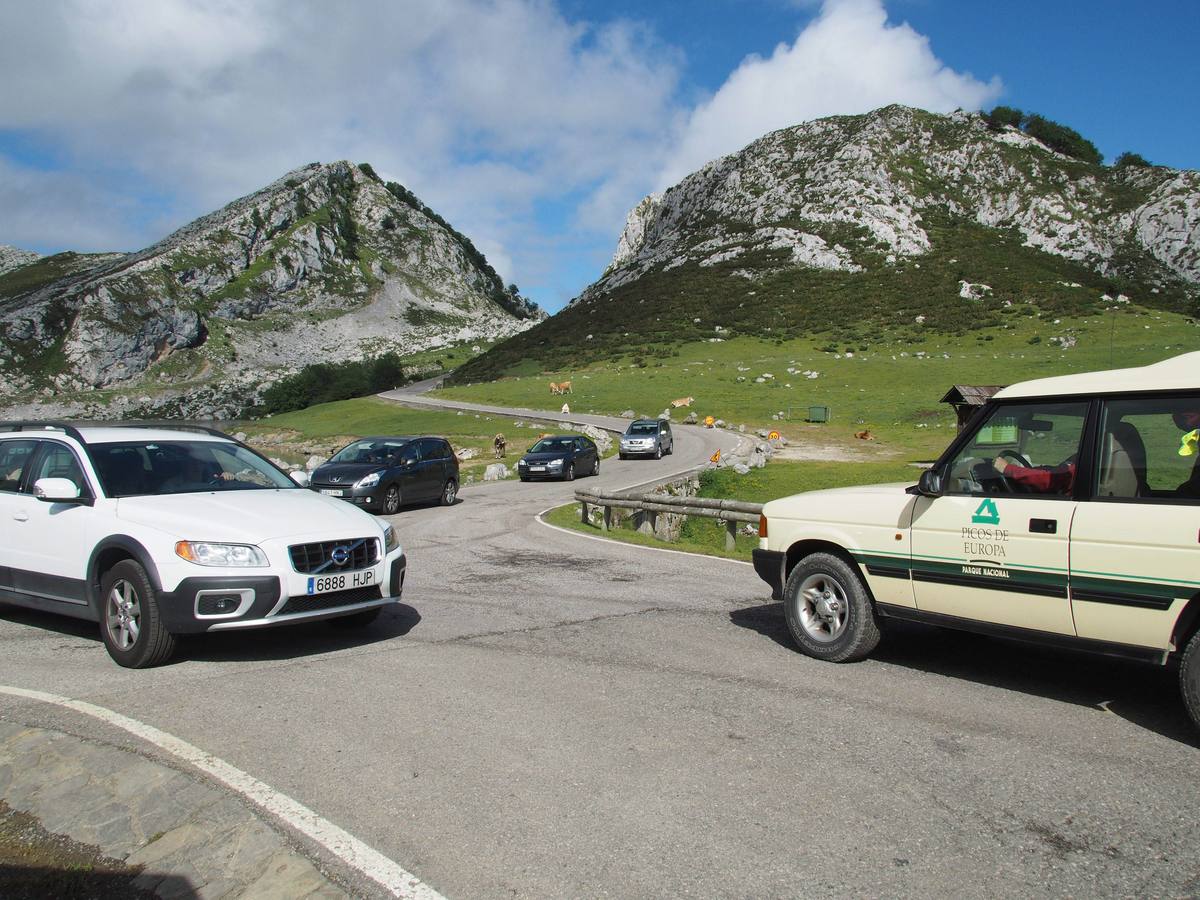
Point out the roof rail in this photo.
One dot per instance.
(67, 428)
(72, 428)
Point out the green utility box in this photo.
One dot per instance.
(818, 414)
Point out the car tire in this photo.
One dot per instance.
(596, 466)
(524, 477)
(391, 500)
(1189, 678)
(131, 623)
(658, 452)
(570, 473)
(828, 609)
(360, 619)
(622, 456)
(449, 492)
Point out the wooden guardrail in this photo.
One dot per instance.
(648, 505)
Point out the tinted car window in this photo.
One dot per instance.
(433, 449)
(642, 428)
(14, 456)
(1148, 449)
(180, 467)
(59, 462)
(552, 445)
(1037, 442)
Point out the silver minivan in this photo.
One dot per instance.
(647, 437)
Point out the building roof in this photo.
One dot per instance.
(971, 394)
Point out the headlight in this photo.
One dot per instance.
(203, 553)
(522, 463)
(391, 540)
(368, 480)
(555, 463)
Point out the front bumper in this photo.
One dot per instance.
(367, 498)
(769, 566)
(548, 475)
(638, 451)
(258, 601)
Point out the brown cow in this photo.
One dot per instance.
(682, 401)
(864, 435)
(498, 445)
(554, 388)
(564, 387)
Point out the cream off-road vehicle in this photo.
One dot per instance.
(1066, 512)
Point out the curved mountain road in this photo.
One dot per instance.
(549, 716)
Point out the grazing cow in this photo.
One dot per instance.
(554, 388)
(682, 401)
(499, 445)
(864, 435)
(564, 387)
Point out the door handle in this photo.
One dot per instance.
(1043, 526)
(21, 516)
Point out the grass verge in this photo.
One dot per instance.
(777, 479)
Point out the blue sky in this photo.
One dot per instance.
(532, 125)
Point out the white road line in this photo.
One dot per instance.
(612, 541)
(370, 862)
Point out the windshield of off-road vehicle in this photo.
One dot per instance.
(368, 451)
(137, 468)
(644, 428)
(552, 445)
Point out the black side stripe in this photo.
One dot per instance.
(991, 583)
(888, 572)
(1140, 602)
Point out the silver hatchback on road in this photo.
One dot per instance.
(647, 437)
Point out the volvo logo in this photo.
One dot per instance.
(340, 555)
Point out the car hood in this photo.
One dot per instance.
(871, 503)
(540, 459)
(249, 516)
(344, 473)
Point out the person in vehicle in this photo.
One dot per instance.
(1039, 479)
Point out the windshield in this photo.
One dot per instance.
(369, 451)
(645, 428)
(552, 445)
(138, 468)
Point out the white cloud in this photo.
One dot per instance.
(532, 134)
(847, 60)
(488, 109)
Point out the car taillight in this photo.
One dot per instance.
(762, 525)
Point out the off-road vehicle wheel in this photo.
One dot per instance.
(1189, 678)
(828, 609)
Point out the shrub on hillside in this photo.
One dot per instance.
(326, 382)
(1127, 159)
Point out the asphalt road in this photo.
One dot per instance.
(548, 715)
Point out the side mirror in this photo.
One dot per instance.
(56, 490)
(301, 478)
(929, 484)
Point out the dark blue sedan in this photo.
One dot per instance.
(560, 456)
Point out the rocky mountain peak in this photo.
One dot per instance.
(328, 263)
(841, 192)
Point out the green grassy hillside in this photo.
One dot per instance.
(891, 386)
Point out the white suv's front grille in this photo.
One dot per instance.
(335, 556)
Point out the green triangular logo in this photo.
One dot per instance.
(987, 514)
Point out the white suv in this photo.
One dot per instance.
(1067, 512)
(155, 532)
